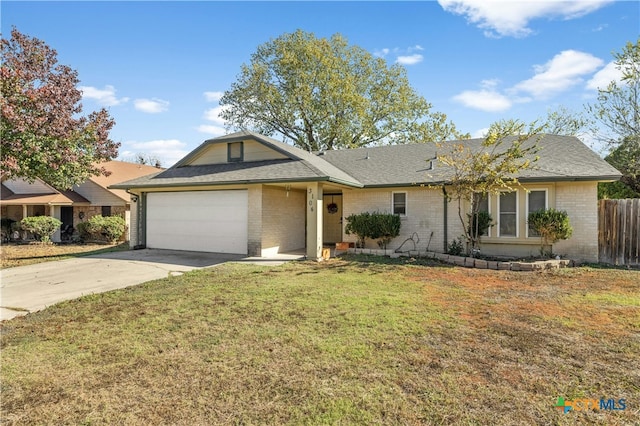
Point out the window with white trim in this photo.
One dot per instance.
(536, 200)
(508, 211)
(399, 203)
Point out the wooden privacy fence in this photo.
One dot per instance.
(619, 231)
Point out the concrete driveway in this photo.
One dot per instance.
(31, 288)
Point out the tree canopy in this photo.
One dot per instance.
(324, 94)
(509, 147)
(618, 105)
(44, 134)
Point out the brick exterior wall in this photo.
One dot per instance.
(283, 220)
(254, 243)
(580, 200)
(424, 215)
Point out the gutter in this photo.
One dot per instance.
(238, 182)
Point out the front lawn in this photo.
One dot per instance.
(12, 255)
(344, 341)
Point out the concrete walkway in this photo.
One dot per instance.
(31, 288)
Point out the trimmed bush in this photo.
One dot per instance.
(42, 227)
(378, 226)
(108, 228)
(552, 225)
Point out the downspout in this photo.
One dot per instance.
(445, 206)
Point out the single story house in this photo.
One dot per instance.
(20, 198)
(250, 194)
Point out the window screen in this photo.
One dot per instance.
(508, 214)
(400, 203)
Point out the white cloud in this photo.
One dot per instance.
(213, 114)
(606, 75)
(104, 97)
(168, 151)
(484, 100)
(151, 106)
(511, 18)
(211, 129)
(382, 52)
(410, 59)
(564, 71)
(213, 96)
(480, 133)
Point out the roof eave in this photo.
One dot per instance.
(238, 182)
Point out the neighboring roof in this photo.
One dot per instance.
(5, 192)
(122, 171)
(300, 166)
(561, 158)
(57, 198)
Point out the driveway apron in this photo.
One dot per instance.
(31, 288)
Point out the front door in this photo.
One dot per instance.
(66, 216)
(332, 218)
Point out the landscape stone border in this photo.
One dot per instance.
(470, 262)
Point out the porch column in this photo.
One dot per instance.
(314, 221)
(56, 212)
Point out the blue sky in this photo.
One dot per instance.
(159, 67)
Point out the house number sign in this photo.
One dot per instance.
(310, 199)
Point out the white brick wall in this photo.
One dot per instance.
(424, 215)
(283, 220)
(254, 227)
(580, 200)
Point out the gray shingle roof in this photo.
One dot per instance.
(561, 158)
(299, 167)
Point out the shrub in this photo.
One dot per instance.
(552, 225)
(378, 226)
(456, 247)
(42, 227)
(483, 223)
(385, 227)
(360, 226)
(108, 228)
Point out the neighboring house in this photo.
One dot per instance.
(250, 194)
(20, 198)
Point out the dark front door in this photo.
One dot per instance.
(66, 216)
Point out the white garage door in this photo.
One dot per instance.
(211, 221)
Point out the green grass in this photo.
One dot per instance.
(341, 342)
(13, 255)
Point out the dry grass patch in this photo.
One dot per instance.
(343, 341)
(12, 255)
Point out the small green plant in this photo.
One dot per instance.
(42, 227)
(552, 225)
(456, 247)
(108, 228)
(382, 227)
(385, 227)
(359, 225)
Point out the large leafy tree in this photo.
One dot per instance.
(325, 94)
(626, 158)
(618, 111)
(618, 105)
(509, 148)
(44, 134)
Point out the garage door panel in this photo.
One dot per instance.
(213, 221)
